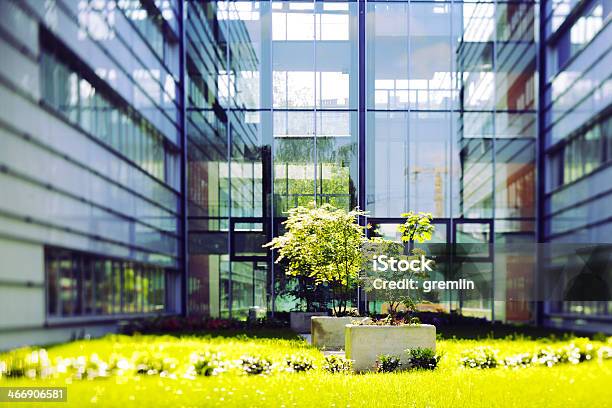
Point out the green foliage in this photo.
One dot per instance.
(550, 357)
(417, 227)
(604, 353)
(480, 357)
(522, 360)
(299, 363)
(206, 364)
(89, 368)
(389, 320)
(25, 362)
(393, 297)
(387, 363)
(153, 362)
(576, 352)
(323, 243)
(255, 365)
(311, 296)
(336, 364)
(422, 358)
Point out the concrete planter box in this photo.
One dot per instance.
(328, 332)
(300, 321)
(365, 343)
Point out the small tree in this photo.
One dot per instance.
(393, 297)
(417, 227)
(324, 243)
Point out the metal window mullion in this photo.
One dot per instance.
(137, 292)
(272, 144)
(121, 293)
(494, 161)
(453, 108)
(314, 48)
(58, 285)
(228, 131)
(408, 121)
(451, 111)
(92, 268)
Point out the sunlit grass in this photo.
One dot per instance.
(564, 385)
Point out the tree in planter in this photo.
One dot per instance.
(324, 243)
(417, 227)
(393, 297)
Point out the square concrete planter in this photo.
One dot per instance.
(365, 343)
(300, 321)
(328, 331)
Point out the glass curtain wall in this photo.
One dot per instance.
(272, 125)
(577, 142)
(273, 122)
(496, 65)
(451, 127)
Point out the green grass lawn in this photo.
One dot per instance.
(586, 384)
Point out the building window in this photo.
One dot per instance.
(149, 25)
(72, 93)
(82, 285)
(582, 31)
(582, 154)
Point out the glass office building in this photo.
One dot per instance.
(390, 106)
(150, 147)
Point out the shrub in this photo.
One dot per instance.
(151, 364)
(547, 357)
(571, 354)
(522, 360)
(337, 364)
(255, 365)
(422, 358)
(206, 364)
(89, 368)
(163, 324)
(604, 353)
(25, 363)
(479, 357)
(387, 363)
(117, 364)
(587, 352)
(299, 363)
(389, 320)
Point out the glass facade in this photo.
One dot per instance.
(391, 106)
(575, 139)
